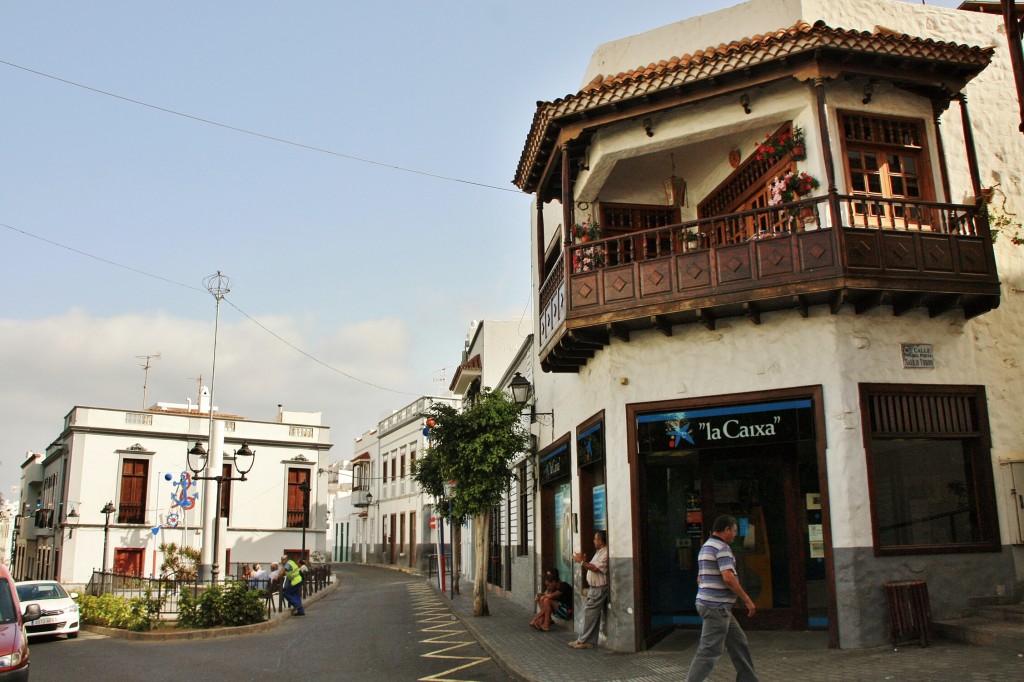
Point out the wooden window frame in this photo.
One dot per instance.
(133, 487)
(922, 156)
(295, 513)
(639, 248)
(933, 421)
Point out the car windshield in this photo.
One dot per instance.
(41, 592)
(8, 614)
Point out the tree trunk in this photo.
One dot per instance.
(483, 520)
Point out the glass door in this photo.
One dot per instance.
(761, 490)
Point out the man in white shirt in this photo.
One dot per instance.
(597, 592)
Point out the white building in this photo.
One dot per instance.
(136, 461)
(839, 370)
(395, 516)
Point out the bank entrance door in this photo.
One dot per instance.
(756, 462)
(760, 489)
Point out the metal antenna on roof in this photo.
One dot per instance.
(145, 368)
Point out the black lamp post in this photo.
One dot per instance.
(522, 389)
(107, 510)
(244, 459)
(304, 487)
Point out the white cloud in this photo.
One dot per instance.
(54, 363)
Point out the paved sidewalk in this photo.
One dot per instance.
(527, 654)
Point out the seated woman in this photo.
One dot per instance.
(556, 600)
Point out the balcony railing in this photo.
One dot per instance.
(902, 253)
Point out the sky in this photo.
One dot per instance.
(347, 165)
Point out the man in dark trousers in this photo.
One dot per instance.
(292, 586)
(717, 590)
(597, 592)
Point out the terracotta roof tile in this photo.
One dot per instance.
(471, 366)
(736, 55)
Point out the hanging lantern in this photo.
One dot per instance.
(675, 188)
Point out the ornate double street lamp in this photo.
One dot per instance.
(197, 458)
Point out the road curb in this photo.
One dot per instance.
(211, 633)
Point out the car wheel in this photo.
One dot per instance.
(72, 635)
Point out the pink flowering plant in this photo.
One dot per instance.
(587, 258)
(788, 187)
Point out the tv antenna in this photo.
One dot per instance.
(145, 369)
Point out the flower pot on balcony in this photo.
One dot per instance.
(585, 238)
(799, 152)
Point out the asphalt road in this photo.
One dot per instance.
(381, 625)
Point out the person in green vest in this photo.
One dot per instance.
(292, 585)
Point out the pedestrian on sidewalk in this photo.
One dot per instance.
(555, 600)
(597, 592)
(292, 585)
(717, 590)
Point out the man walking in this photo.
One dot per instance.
(597, 593)
(717, 590)
(292, 585)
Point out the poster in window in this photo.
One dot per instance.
(600, 508)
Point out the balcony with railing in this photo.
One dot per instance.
(834, 251)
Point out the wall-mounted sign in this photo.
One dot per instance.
(775, 422)
(600, 508)
(555, 465)
(917, 356)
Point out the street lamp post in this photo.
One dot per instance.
(243, 456)
(449, 490)
(107, 510)
(304, 487)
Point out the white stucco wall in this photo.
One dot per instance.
(837, 351)
(258, 510)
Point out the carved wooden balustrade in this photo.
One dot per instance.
(906, 254)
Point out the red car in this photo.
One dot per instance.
(14, 658)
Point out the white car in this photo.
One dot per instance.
(59, 610)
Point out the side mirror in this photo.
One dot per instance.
(32, 612)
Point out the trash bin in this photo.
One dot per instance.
(910, 613)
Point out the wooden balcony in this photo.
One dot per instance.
(885, 252)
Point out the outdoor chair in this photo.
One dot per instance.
(273, 596)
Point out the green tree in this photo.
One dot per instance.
(475, 448)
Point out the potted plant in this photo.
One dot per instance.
(776, 146)
(586, 231)
(689, 238)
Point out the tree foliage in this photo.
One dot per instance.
(475, 448)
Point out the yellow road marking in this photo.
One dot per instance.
(442, 628)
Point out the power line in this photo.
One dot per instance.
(203, 290)
(98, 258)
(311, 357)
(254, 133)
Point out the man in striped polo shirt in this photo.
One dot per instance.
(717, 589)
